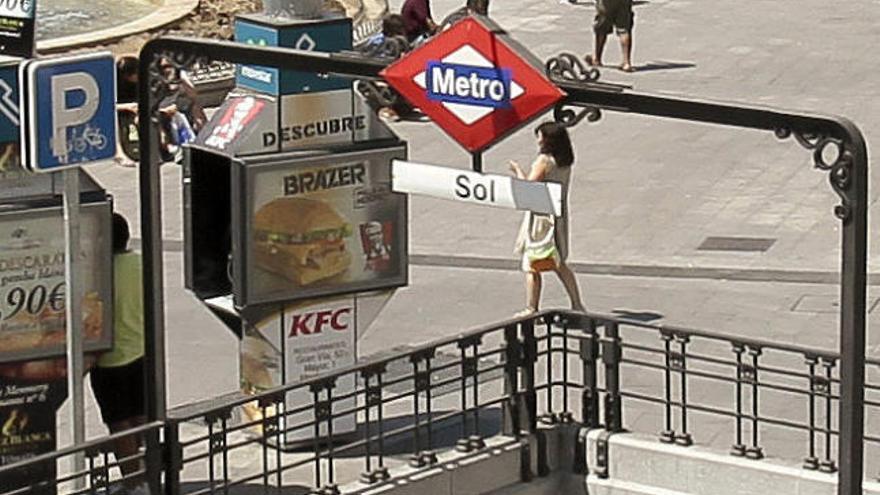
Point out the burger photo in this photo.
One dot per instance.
(302, 240)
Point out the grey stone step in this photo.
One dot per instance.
(640, 464)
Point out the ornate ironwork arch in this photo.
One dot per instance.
(837, 145)
(567, 69)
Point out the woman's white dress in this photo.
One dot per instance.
(562, 176)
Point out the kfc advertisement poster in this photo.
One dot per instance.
(296, 343)
(32, 282)
(323, 226)
(237, 124)
(320, 338)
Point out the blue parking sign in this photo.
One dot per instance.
(8, 103)
(70, 111)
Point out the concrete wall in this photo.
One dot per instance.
(558, 464)
(498, 469)
(640, 464)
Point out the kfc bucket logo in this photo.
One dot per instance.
(315, 322)
(474, 84)
(238, 115)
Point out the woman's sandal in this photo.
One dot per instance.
(525, 312)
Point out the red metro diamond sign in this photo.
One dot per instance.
(473, 82)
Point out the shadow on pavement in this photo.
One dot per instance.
(246, 489)
(663, 66)
(643, 316)
(445, 434)
(591, 3)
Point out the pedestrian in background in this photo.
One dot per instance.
(118, 377)
(480, 7)
(613, 15)
(417, 20)
(553, 164)
(126, 109)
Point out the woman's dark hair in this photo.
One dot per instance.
(478, 6)
(556, 143)
(126, 85)
(120, 234)
(393, 25)
(126, 66)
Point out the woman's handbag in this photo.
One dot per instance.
(540, 242)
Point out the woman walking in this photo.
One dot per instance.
(553, 164)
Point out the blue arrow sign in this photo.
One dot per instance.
(9, 115)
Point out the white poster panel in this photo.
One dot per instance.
(309, 120)
(319, 337)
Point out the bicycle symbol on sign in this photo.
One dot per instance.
(90, 138)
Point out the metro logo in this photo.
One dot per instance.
(313, 323)
(468, 84)
(474, 83)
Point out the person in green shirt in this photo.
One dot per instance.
(118, 376)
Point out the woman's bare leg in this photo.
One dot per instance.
(571, 286)
(533, 290)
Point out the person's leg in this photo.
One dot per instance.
(626, 50)
(603, 25)
(121, 158)
(624, 23)
(533, 290)
(119, 392)
(126, 449)
(598, 48)
(571, 286)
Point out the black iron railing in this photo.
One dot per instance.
(450, 394)
(695, 386)
(102, 474)
(688, 386)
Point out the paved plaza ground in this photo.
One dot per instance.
(646, 192)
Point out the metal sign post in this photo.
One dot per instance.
(69, 104)
(73, 309)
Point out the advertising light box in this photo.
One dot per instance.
(296, 342)
(32, 282)
(317, 225)
(17, 27)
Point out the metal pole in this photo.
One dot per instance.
(151, 234)
(477, 162)
(852, 323)
(73, 313)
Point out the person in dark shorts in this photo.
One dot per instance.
(417, 20)
(613, 15)
(118, 376)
